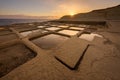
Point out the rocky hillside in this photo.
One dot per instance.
(112, 13)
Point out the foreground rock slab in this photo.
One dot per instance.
(71, 52)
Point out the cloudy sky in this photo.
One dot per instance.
(52, 7)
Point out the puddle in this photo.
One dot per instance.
(31, 24)
(38, 30)
(2, 28)
(5, 32)
(53, 28)
(25, 28)
(29, 32)
(14, 56)
(54, 25)
(26, 33)
(63, 26)
(90, 37)
(8, 37)
(49, 41)
(69, 32)
(77, 28)
(41, 26)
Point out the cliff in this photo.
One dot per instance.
(112, 13)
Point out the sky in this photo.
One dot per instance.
(52, 7)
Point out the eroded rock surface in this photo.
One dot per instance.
(100, 61)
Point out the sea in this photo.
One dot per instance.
(14, 21)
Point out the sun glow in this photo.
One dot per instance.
(72, 13)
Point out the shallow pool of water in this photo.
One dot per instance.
(69, 32)
(53, 28)
(33, 31)
(41, 26)
(63, 26)
(77, 28)
(14, 56)
(90, 37)
(54, 25)
(49, 41)
(83, 26)
(2, 28)
(26, 33)
(38, 30)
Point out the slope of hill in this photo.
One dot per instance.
(112, 13)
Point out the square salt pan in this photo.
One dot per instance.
(26, 33)
(33, 31)
(65, 26)
(41, 26)
(49, 41)
(69, 32)
(77, 28)
(38, 30)
(89, 37)
(52, 28)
